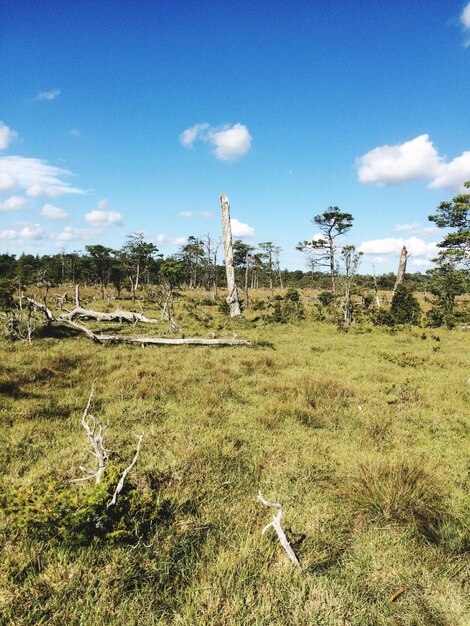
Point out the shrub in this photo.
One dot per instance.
(400, 492)
(404, 307)
(326, 297)
(54, 511)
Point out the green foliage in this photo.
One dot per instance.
(405, 307)
(77, 515)
(326, 297)
(288, 308)
(7, 289)
(455, 214)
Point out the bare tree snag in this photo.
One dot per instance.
(276, 524)
(401, 268)
(232, 297)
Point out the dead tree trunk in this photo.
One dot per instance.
(401, 268)
(232, 297)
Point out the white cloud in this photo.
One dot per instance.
(229, 143)
(103, 218)
(413, 160)
(53, 212)
(453, 175)
(393, 245)
(390, 165)
(48, 95)
(6, 136)
(70, 233)
(161, 238)
(403, 228)
(189, 136)
(33, 231)
(8, 234)
(185, 214)
(241, 230)
(13, 203)
(37, 176)
(465, 17)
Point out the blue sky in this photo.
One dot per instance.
(119, 116)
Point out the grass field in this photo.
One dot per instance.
(362, 436)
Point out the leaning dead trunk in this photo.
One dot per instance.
(232, 297)
(401, 268)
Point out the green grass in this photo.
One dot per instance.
(363, 436)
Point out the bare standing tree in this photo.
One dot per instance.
(401, 268)
(232, 297)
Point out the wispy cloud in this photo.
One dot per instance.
(465, 21)
(413, 160)
(52, 94)
(207, 215)
(6, 136)
(404, 228)
(37, 177)
(229, 142)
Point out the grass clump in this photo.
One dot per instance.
(398, 492)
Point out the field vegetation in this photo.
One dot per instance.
(361, 433)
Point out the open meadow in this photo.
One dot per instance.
(361, 435)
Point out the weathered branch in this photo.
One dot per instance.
(276, 524)
(119, 315)
(120, 484)
(95, 434)
(41, 307)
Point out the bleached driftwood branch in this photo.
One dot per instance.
(119, 315)
(276, 524)
(120, 484)
(95, 434)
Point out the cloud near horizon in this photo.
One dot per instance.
(413, 160)
(53, 212)
(391, 246)
(229, 143)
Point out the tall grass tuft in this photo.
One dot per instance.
(400, 492)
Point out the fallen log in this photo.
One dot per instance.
(170, 341)
(163, 341)
(119, 315)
